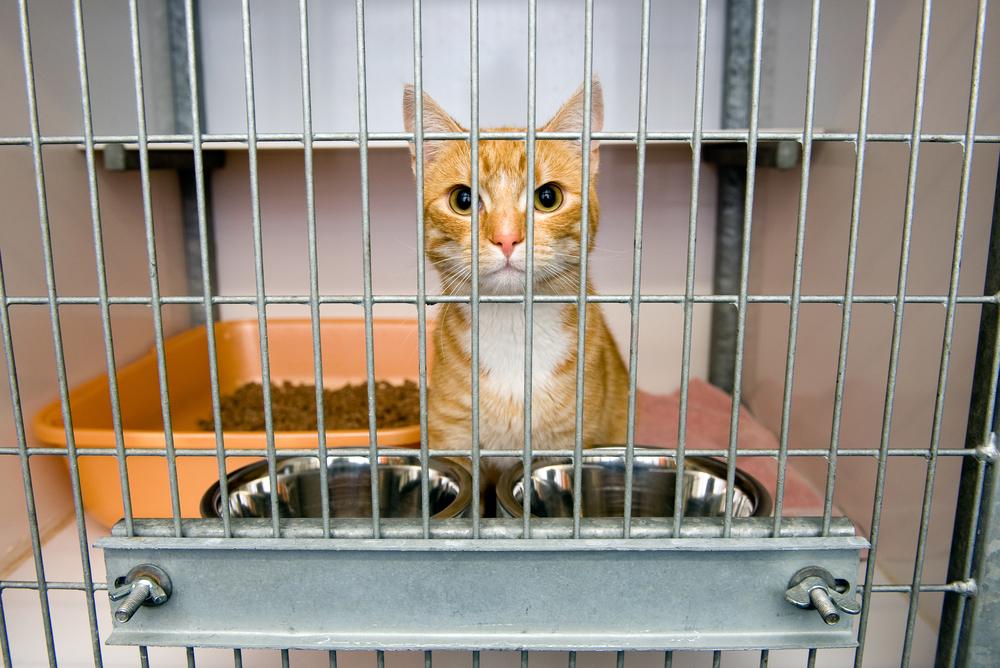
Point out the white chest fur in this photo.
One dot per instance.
(501, 346)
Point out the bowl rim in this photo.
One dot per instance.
(210, 499)
(717, 467)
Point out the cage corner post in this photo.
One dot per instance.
(967, 618)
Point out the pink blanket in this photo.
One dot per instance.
(708, 429)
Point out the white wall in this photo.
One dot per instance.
(503, 61)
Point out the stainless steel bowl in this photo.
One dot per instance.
(653, 484)
(349, 484)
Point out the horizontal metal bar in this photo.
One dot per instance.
(352, 137)
(50, 584)
(410, 452)
(562, 545)
(505, 299)
(461, 529)
(962, 588)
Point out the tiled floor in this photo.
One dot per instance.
(74, 649)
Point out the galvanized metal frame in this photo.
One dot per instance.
(340, 593)
(961, 637)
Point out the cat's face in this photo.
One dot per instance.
(503, 196)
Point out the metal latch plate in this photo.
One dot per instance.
(588, 594)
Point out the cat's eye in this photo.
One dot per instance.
(548, 197)
(460, 200)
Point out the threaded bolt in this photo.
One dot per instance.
(827, 610)
(141, 590)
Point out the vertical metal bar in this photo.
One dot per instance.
(180, 87)
(4, 640)
(418, 167)
(981, 419)
(154, 280)
(734, 421)
(966, 535)
(731, 193)
(333, 658)
(572, 660)
(284, 658)
(765, 655)
(475, 654)
(633, 347)
(238, 658)
(205, 241)
(310, 174)
(897, 331)
(182, 99)
(716, 659)
(529, 266)
(181, 69)
(852, 252)
(474, 289)
(56, 327)
(366, 260)
(800, 238)
(102, 279)
(143, 657)
(581, 304)
(979, 647)
(620, 659)
(28, 487)
(428, 659)
(668, 659)
(258, 257)
(189, 651)
(692, 245)
(524, 653)
(380, 659)
(949, 328)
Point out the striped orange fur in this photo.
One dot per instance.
(502, 182)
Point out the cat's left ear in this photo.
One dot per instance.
(435, 119)
(569, 118)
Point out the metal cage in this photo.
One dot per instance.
(543, 575)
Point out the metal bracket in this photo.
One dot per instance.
(783, 154)
(539, 594)
(124, 157)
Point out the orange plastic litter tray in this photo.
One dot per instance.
(238, 354)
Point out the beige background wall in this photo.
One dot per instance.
(877, 268)
(69, 215)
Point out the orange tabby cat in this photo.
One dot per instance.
(557, 200)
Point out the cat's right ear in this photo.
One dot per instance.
(435, 119)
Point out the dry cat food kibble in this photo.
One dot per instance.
(293, 407)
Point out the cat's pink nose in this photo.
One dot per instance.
(506, 241)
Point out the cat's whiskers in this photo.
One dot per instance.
(452, 281)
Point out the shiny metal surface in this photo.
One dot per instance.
(299, 490)
(654, 480)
